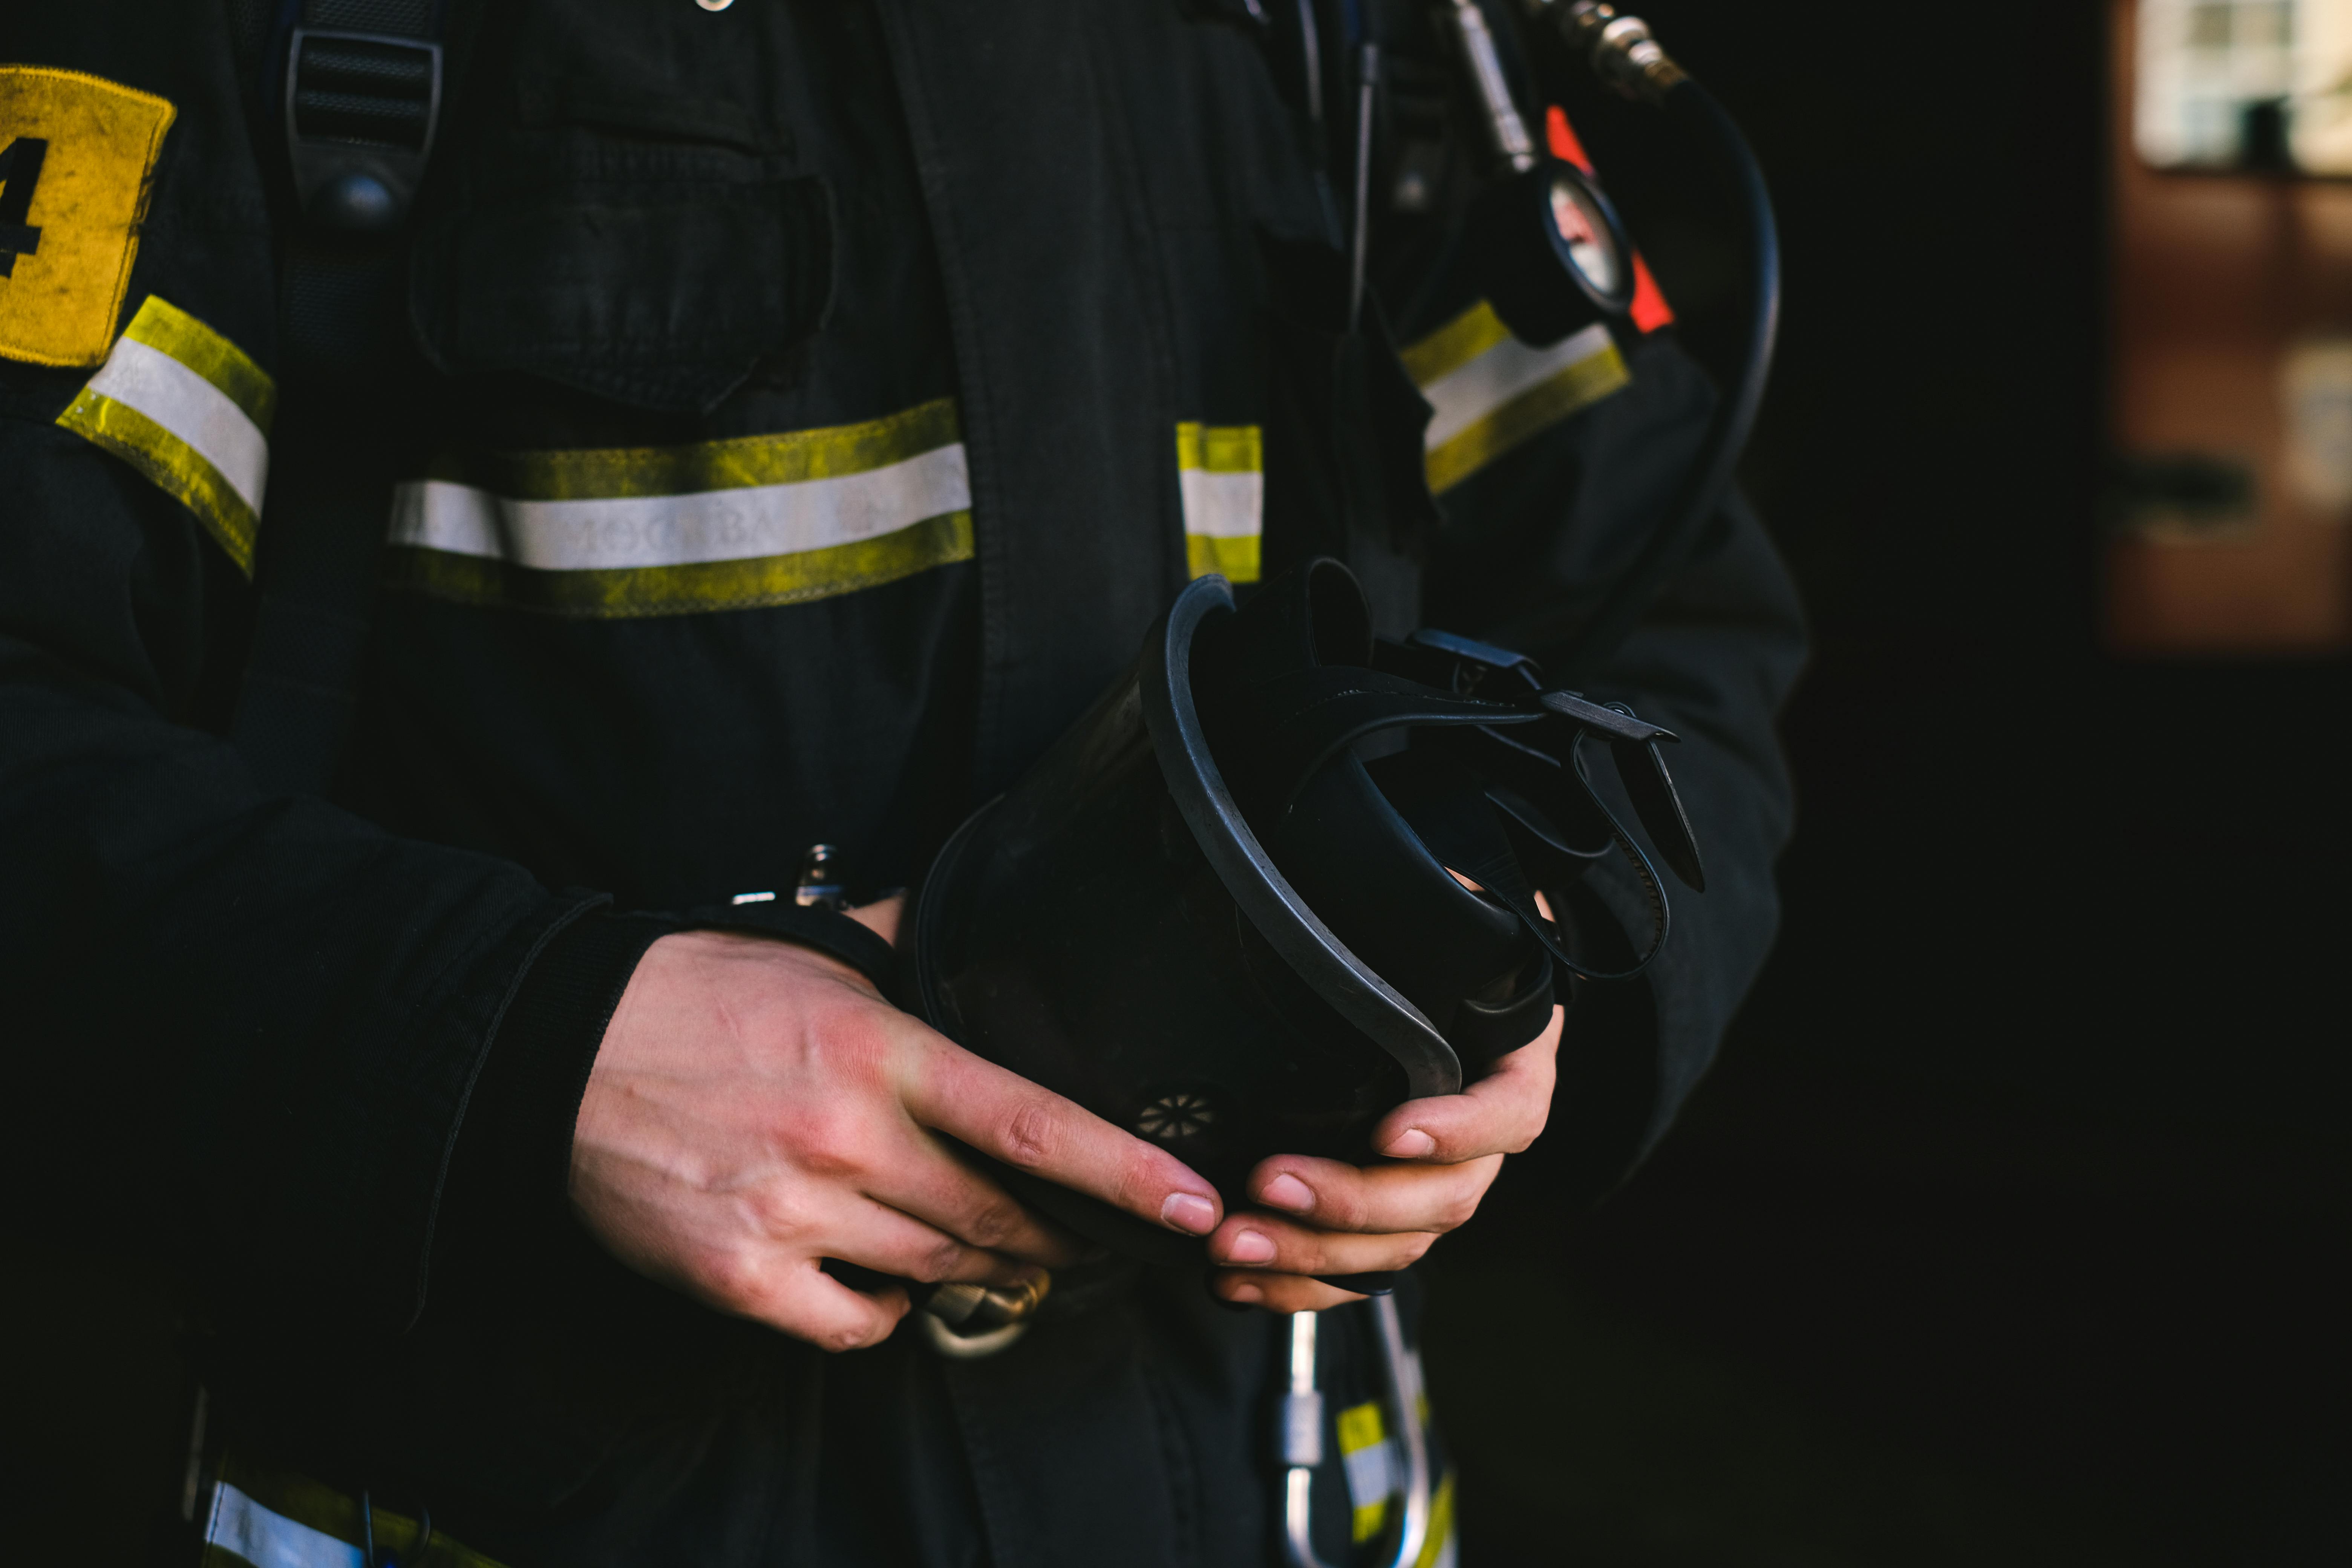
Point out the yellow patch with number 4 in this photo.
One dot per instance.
(77, 158)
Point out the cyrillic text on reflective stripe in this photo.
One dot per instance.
(732, 524)
(1221, 470)
(605, 535)
(189, 410)
(242, 1528)
(1490, 392)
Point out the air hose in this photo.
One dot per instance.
(1625, 55)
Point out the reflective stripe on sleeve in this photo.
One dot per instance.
(261, 1517)
(735, 524)
(1491, 392)
(189, 411)
(242, 1529)
(1221, 470)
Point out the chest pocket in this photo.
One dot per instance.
(654, 275)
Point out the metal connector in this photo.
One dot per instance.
(979, 1307)
(1623, 50)
(1513, 145)
(972, 1322)
(819, 885)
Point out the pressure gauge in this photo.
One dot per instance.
(1553, 254)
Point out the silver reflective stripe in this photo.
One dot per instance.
(191, 408)
(1223, 506)
(1463, 397)
(1371, 1472)
(267, 1539)
(617, 533)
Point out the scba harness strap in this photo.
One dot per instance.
(357, 89)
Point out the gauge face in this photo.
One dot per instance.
(1586, 234)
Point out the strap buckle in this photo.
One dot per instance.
(361, 109)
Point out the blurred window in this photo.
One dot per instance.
(2264, 84)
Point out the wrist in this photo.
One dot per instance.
(512, 1162)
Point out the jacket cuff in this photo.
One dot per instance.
(513, 1157)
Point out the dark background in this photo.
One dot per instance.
(1999, 1232)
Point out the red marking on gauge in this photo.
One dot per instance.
(1650, 309)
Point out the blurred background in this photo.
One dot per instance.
(2000, 1234)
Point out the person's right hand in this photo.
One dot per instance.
(757, 1108)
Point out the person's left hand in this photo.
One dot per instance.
(1324, 1217)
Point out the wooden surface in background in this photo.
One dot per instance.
(2216, 277)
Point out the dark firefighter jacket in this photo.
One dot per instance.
(800, 411)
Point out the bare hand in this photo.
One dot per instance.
(1324, 1217)
(757, 1107)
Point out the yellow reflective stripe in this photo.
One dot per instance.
(1490, 392)
(1235, 560)
(747, 523)
(740, 463)
(188, 409)
(1437, 1551)
(172, 466)
(1364, 1455)
(1454, 344)
(1220, 449)
(164, 326)
(627, 592)
(1571, 391)
(318, 1512)
(1221, 471)
(1360, 1426)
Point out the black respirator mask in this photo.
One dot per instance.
(1277, 881)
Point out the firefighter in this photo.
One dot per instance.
(489, 484)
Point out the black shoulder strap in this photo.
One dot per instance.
(356, 89)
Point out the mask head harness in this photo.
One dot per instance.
(1280, 879)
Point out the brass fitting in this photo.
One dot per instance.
(974, 1308)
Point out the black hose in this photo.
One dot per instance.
(1672, 544)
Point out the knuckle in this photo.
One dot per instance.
(777, 1212)
(733, 1279)
(995, 1223)
(827, 1139)
(1340, 1205)
(1412, 1249)
(1145, 1176)
(847, 1337)
(939, 1260)
(1456, 1212)
(1032, 1134)
(854, 1039)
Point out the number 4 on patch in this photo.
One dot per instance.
(20, 170)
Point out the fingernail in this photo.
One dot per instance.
(1249, 1247)
(1287, 1191)
(1409, 1144)
(1246, 1295)
(1189, 1213)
